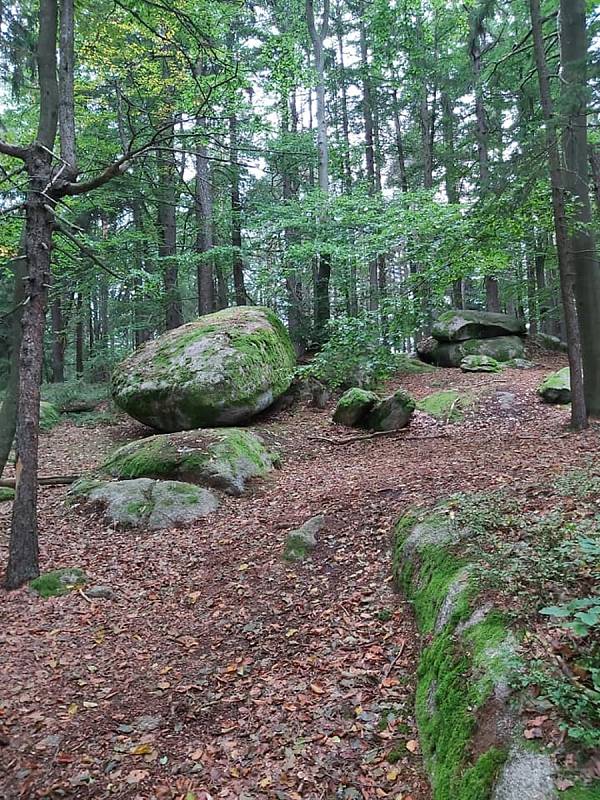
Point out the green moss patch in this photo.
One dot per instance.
(58, 582)
(221, 458)
(49, 416)
(6, 494)
(446, 405)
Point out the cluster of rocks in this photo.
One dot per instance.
(359, 408)
(478, 341)
(191, 384)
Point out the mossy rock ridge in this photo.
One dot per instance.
(458, 326)
(220, 458)
(221, 369)
(469, 731)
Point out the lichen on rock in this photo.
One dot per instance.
(353, 406)
(556, 387)
(391, 413)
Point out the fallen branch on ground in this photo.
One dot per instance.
(48, 480)
(350, 439)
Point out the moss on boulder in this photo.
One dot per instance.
(451, 354)
(353, 406)
(556, 387)
(58, 582)
(458, 326)
(480, 364)
(391, 413)
(221, 369)
(445, 405)
(222, 458)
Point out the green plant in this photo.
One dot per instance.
(580, 615)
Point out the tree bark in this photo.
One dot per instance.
(573, 49)
(399, 144)
(322, 308)
(565, 261)
(58, 341)
(204, 228)
(241, 298)
(595, 167)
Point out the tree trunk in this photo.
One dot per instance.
(399, 144)
(241, 298)
(204, 227)
(79, 345)
(565, 261)
(58, 341)
(573, 49)
(8, 410)
(347, 169)
(595, 167)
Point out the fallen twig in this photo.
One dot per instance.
(390, 667)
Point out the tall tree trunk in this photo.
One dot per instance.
(39, 222)
(451, 182)
(565, 261)
(79, 332)
(595, 167)
(322, 308)
(8, 410)
(204, 227)
(399, 143)
(347, 169)
(167, 219)
(573, 49)
(492, 293)
(58, 341)
(241, 298)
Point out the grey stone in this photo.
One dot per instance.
(479, 364)
(100, 592)
(451, 354)
(147, 723)
(144, 503)
(525, 776)
(392, 413)
(353, 406)
(506, 400)
(301, 541)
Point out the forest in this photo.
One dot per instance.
(299, 399)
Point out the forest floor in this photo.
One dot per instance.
(219, 669)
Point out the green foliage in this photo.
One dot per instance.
(71, 394)
(581, 615)
(6, 494)
(49, 416)
(357, 354)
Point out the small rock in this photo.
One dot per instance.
(100, 593)
(392, 413)
(301, 541)
(147, 723)
(479, 364)
(353, 406)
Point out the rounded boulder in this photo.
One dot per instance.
(219, 370)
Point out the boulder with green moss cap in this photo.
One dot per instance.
(353, 406)
(222, 458)
(458, 326)
(556, 387)
(222, 369)
(392, 413)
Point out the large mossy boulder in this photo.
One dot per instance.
(222, 458)
(556, 387)
(353, 407)
(450, 354)
(392, 413)
(222, 369)
(458, 326)
(145, 503)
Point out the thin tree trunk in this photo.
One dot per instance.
(347, 170)
(58, 341)
(241, 298)
(573, 49)
(204, 227)
(595, 167)
(399, 144)
(578, 410)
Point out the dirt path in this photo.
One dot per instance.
(218, 669)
